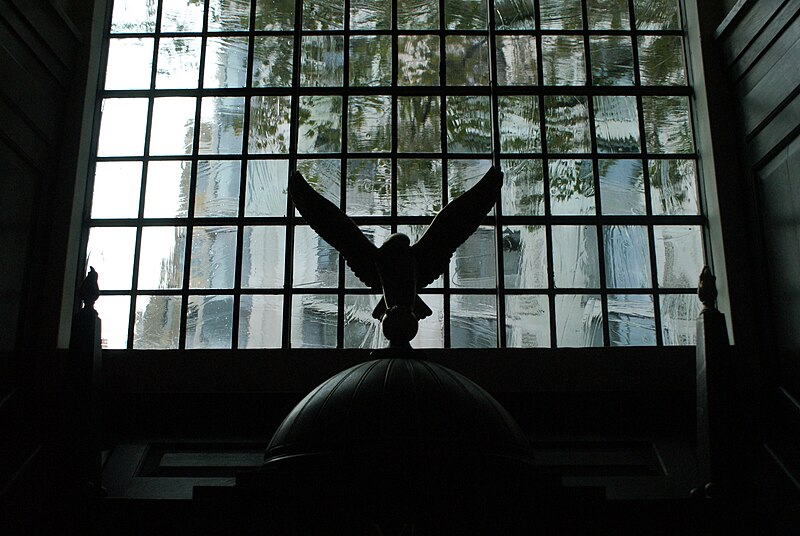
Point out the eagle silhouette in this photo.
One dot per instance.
(397, 269)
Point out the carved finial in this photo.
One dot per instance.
(707, 288)
(89, 291)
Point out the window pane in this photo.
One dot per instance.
(370, 60)
(221, 122)
(369, 124)
(316, 263)
(527, 321)
(657, 14)
(579, 321)
(575, 258)
(370, 15)
(269, 124)
(621, 187)
(182, 16)
(325, 176)
(667, 124)
(465, 14)
(228, 15)
(616, 122)
(661, 60)
(133, 16)
(323, 14)
(377, 234)
(167, 190)
(272, 61)
(161, 258)
(213, 257)
(418, 127)
(627, 254)
(266, 188)
(673, 187)
(418, 60)
(178, 62)
(523, 188)
(525, 256)
(217, 190)
(369, 187)
(209, 322)
(417, 14)
(320, 129)
(561, 14)
(172, 132)
(612, 60)
(360, 329)
(469, 124)
(110, 252)
(130, 63)
(519, 124)
(571, 187)
(473, 321)
(322, 61)
(679, 314)
(474, 264)
(116, 189)
(567, 121)
(114, 312)
(515, 14)
(608, 14)
(260, 321)
(563, 61)
(158, 322)
(464, 174)
(122, 127)
(431, 330)
(516, 60)
(467, 60)
(631, 320)
(679, 255)
(314, 321)
(263, 250)
(274, 14)
(419, 187)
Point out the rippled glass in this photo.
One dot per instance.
(270, 124)
(226, 62)
(314, 320)
(182, 15)
(616, 123)
(325, 176)
(431, 329)
(419, 187)
(571, 187)
(274, 14)
(679, 314)
(612, 60)
(114, 312)
(519, 123)
(360, 329)
(608, 14)
(316, 263)
(266, 188)
(260, 321)
(657, 14)
(320, 129)
(418, 60)
(515, 14)
(217, 188)
(467, 60)
(272, 61)
(679, 255)
(465, 14)
(110, 252)
(579, 320)
(527, 321)
(464, 174)
(473, 321)
(228, 15)
(673, 187)
(523, 188)
(157, 324)
(563, 62)
(621, 187)
(661, 60)
(122, 127)
(133, 16)
(667, 124)
(516, 60)
(263, 254)
(567, 120)
(370, 60)
(369, 124)
(525, 256)
(474, 264)
(561, 14)
(627, 255)
(370, 15)
(322, 61)
(167, 189)
(418, 124)
(469, 124)
(172, 131)
(178, 62)
(213, 257)
(221, 122)
(161, 258)
(323, 14)
(417, 15)
(369, 187)
(575, 258)
(116, 189)
(130, 63)
(631, 320)
(209, 322)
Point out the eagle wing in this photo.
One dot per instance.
(336, 229)
(453, 225)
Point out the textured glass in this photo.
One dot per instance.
(657, 14)
(464, 174)
(325, 176)
(579, 321)
(377, 234)
(320, 129)
(213, 257)
(272, 61)
(469, 124)
(616, 123)
(516, 60)
(673, 187)
(228, 15)
(467, 60)
(621, 187)
(161, 258)
(316, 263)
(608, 14)
(523, 188)
(575, 259)
(221, 122)
(314, 321)
(527, 321)
(567, 121)
(661, 60)
(130, 63)
(172, 131)
(209, 322)
(519, 124)
(167, 190)
(417, 15)
(116, 189)
(473, 321)
(414, 233)
(418, 60)
(263, 250)
(679, 314)
(182, 15)
(217, 189)
(370, 15)
(431, 329)
(631, 320)
(274, 14)
(370, 60)
(260, 321)
(133, 16)
(266, 188)
(114, 311)
(360, 329)
(474, 263)
(667, 124)
(323, 14)
(369, 124)
(419, 187)
(563, 61)
(627, 254)
(269, 124)
(612, 60)
(419, 125)
(122, 127)
(322, 61)
(571, 187)
(110, 252)
(465, 14)
(158, 323)
(369, 187)
(178, 62)
(525, 256)
(679, 255)
(515, 14)
(561, 14)
(226, 62)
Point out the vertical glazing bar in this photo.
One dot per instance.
(443, 136)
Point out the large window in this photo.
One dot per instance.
(391, 108)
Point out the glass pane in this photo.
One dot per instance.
(228, 15)
(616, 122)
(263, 256)
(527, 321)
(563, 61)
(369, 124)
(419, 187)
(679, 314)
(320, 129)
(221, 122)
(114, 312)
(182, 16)
(266, 188)
(323, 14)
(467, 60)
(519, 124)
(217, 190)
(418, 60)
(661, 60)
(525, 256)
(515, 14)
(608, 14)
(122, 127)
(567, 121)
(274, 14)
(133, 16)
(414, 233)
(622, 187)
(260, 321)
(673, 187)
(571, 187)
(360, 329)
(627, 254)
(213, 257)
(161, 257)
(465, 14)
(370, 15)
(369, 187)
(370, 60)
(110, 252)
(579, 321)
(516, 60)
(473, 321)
(469, 124)
(269, 124)
(612, 60)
(464, 174)
(679, 255)
(178, 62)
(322, 61)
(523, 188)
(667, 124)
(575, 258)
(561, 14)
(167, 190)
(657, 14)
(474, 264)
(417, 15)
(130, 63)
(314, 321)
(377, 234)
(431, 329)
(209, 322)
(172, 132)
(158, 323)
(631, 320)
(116, 189)
(272, 61)
(419, 128)
(325, 176)
(316, 264)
